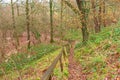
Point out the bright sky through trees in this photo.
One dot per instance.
(7, 1)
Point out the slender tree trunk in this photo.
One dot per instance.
(95, 16)
(61, 19)
(13, 16)
(100, 16)
(18, 11)
(32, 13)
(81, 5)
(15, 35)
(28, 23)
(51, 21)
(104, 12)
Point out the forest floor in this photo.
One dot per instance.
(33, 70)
(10, 47)
(99, 59)
(74, 68)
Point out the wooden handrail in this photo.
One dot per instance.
(48, 74)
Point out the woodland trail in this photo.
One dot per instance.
(75, 70)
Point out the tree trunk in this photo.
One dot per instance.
(15, 35)
(100, 15)
(61, 19)
(32, 6)
(28, 23)
(85, 34)
(95, 16)
(104, 11)
(18, 11)
(51, 21)
(81, 5)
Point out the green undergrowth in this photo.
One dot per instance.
(33, 71)
(62, 75)
(21, 60)
(101, 49)
(72, 34)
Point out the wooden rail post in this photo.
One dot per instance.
(64, 53)
(49, 73)
(50, 78)
(61, 64)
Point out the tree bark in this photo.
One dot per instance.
(81, 5)
(18, 11)
(15, 35)
(104, 12)
(28, 23)
(76, 11)
(95, 16)
(100, 15)
(61, 19)
(51, 21)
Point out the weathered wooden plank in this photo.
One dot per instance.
(47, 74)
(61, 64)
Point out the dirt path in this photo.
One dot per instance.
(75, 70)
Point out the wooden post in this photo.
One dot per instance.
(67, 48)
(61, 64)
(50, 77)
(64, 54)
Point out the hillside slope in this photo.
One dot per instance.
(100, 58)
